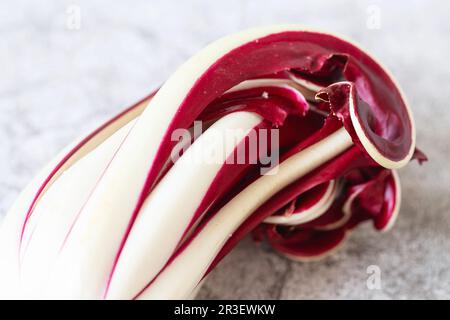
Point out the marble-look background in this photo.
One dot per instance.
(57, 82)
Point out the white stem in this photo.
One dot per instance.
(58, 210)
(309, 214)
(180, 277)
(11, 228)
(170, 207)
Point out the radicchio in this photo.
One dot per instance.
(114, 216)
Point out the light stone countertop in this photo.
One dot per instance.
(57, 82)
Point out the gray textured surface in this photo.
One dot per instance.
(56, 83)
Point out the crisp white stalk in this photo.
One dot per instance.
(170, 207)
(274, 82)
(183, 274)
(58, 210)
(12, 224)
(11, 227)
(311, 213)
